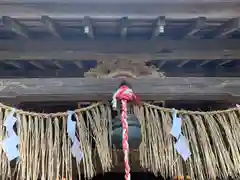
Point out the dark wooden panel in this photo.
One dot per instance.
(79, 55)
(170, 88)
(132, 9)
(77, 72)
(134, 50)
(113, 46)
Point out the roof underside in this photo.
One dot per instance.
(28, 45)
(57, 39)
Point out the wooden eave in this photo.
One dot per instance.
(133, 8)
(60, 47)
(59, 40)
(91, 89)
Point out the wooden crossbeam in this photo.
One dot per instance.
(75, 72)
(88, 29)
(120, 46)
(15, 26)
(51, 25)
(129, 46)
(214, 9)
(227, 28)
(82, 55)
(158, 27)
(56, 49)
(195, 27)
(86, 89)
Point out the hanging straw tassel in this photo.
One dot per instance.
(45, 148)
(99, 119)
(4, 165)
(124, 94)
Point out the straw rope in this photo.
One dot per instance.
(45, 148)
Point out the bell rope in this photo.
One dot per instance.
(124, 94)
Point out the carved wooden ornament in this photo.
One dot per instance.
(118, 68)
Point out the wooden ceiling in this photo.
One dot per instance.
(48, 47)
(62, 46)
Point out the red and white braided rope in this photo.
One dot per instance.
(124, 94)
(125, 144)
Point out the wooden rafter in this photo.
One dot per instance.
(88, 29)
(225, 62)
(14, 64)
(57, 63)
(51, 25)
(123, 26)
(78, 64)
(195, 27)
(161, 64)
(158, 27)
(183, 63)
(15, 26)
(205, 62)
(227, 28)
(37, 64)
(178, 88)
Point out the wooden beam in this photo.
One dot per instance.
(37, 64)
(225, 62)
(51, 25)
(15, 26)
(88, 29)
(82, 55)
(125, 47)
(57, 63)
(158, 27)
(205, 62)
(161, 64)
(227, 28)
(78, 64)
(195, 27)
(142, 50)
(183, 63)
(124, 24)
(75, 9)
(86, 89)
(75, 72)
(14, 63)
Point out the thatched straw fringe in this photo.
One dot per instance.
(157, 153)
(213, 138)
(4, 165)
(85, 145)
(45, 148)
(100, 119)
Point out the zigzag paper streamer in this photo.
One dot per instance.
(71, 130)
(177, 125)
(181, 145)
(9, 144)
